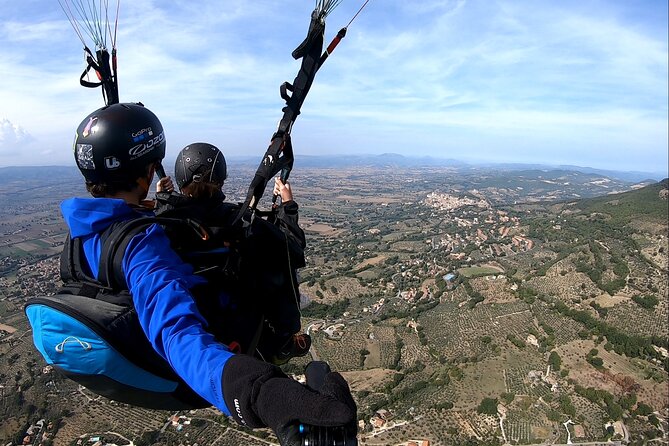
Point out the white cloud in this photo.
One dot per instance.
(22, 32)
(12, 136)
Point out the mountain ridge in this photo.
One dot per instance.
(398, 160)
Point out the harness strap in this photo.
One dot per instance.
(66, 264)
(115, 240)
(82, 81)
(78, 261)
(72, 269)
(111, 277)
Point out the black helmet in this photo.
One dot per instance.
(117, 142)
(200, 161)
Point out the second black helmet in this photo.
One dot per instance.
(200, 161)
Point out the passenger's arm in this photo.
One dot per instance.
(288, 221)
(287, 216)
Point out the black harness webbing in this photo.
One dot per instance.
(70, 270)
(111, 284)
(117, 239)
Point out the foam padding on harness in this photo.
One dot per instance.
(73, 347)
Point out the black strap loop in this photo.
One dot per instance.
(284, 89)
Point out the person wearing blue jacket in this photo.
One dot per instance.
(117, 149)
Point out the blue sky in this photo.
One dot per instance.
(570, 82)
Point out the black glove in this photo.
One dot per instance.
(260, 394)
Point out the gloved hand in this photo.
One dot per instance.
(259, 394)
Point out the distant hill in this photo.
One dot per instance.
(649, 202)
(397, 160)
(31, 173)
(386, 160)
(348, 160)
(631, 176)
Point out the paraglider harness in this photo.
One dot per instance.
(89, 312)
(90, 330)
(255, 262)
(99, 312)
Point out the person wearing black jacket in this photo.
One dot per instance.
(260, 259)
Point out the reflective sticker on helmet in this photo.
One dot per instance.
(90, 126)
(111, 163)
(144, 148)
(84, 156)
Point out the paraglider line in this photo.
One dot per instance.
(118, 6)
(70, 18)
(356, 14)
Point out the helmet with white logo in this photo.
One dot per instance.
(200, 162)
(117, 142)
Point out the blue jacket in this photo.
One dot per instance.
(159, 282)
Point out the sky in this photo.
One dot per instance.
(580, 82)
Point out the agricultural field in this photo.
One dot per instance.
(618, 375)
(480, 271)
(445, 315)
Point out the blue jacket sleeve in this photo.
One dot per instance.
(159, 282)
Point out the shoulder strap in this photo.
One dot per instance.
(115, 240)
(72, 269)
(67, 273)
(117, 237)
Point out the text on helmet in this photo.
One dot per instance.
(142, 134)
(146, 147)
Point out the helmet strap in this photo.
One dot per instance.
(144, 182)
(211, 173)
